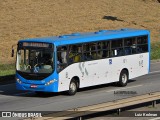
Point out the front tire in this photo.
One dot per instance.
(72, 87)
(123, 78)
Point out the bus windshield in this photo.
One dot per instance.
(34, 60)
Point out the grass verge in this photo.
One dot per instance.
(7, 73)
(7, 69)
(155, 50)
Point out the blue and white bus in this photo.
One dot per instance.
(78, 60)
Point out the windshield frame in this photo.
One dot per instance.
(35, 75)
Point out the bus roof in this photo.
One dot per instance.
(89, 36)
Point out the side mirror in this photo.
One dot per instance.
(12, 55)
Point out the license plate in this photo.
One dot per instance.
(33, 86)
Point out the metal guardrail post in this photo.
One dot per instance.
(80, 118)
(154, 103)
(118, 111)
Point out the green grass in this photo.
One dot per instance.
(155, 50)
(7, 73)
(7, 69)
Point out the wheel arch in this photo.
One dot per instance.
(76, 78)
(125, 69)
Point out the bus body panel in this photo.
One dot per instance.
(104, 71)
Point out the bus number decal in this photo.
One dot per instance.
(110, 61)
(141, 63)
(124, 60)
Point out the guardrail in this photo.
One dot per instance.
(114, 105)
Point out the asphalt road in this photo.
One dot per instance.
(14, 100)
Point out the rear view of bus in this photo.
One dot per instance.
(78, 60)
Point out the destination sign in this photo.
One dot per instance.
(35, 44)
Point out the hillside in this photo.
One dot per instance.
(21, 19)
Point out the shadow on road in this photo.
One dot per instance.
(97, 87)
(8, 79)
(10, 90)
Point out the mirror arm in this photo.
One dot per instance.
(12, 55)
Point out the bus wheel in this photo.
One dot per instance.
(73, 87)
(123, 78)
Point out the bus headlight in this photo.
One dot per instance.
(18, 80)
(50, 82)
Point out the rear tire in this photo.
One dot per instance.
(73, 86)
(123, 78)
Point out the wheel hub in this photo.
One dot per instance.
(124, 78)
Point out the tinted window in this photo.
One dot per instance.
(103, 49)
(117, 43)
(117, 47)
(62, 60)
(142, 44)
(130, 46)
(89, 50)
(142, 40)
(75, 53)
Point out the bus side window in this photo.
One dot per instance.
(105, 49)
(117, 49)
(61, 58)
(102, 49)
(142, 44)
(127, 51)
(134, 46)
(99, 50)
(127, 46)
(64, 55)
(75, 53)
(89, 51)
